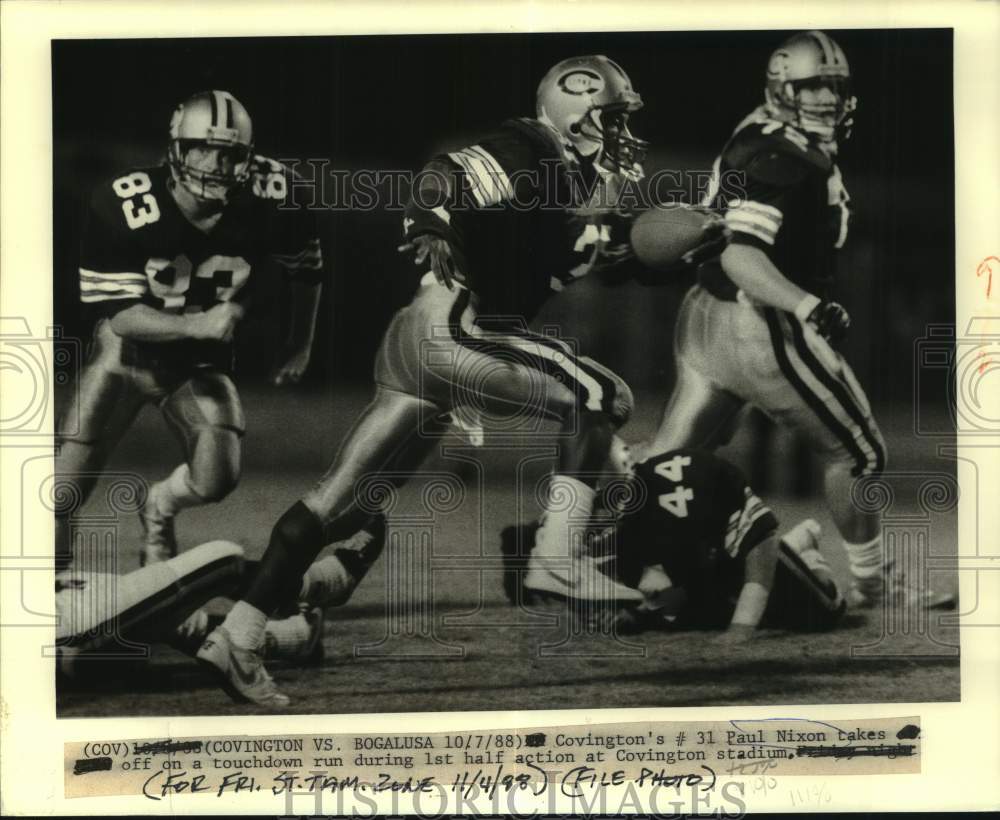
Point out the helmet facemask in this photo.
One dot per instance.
(210, 170)
(607, 125)
(822, 105)
(211, 146)
(809, 86)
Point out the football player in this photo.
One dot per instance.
(760, 327)
(112, 619)
(501, 224)
(169, 258)
(692, 536)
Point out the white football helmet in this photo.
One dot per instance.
(588, 101)
(809, 86)
(211, 120)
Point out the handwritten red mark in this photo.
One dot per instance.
(986, 267)
(984, 364)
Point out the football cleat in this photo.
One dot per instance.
(660, 596)
(239, 671)
(868, 593)
(159, 538)
(580, 578)
(634, 620)
(908, 594)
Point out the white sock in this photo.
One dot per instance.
(572, 502)
(174, 493)
(246, 625)
(866, 559)
(289, 636)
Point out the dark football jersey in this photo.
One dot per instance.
(698, 513)
(780, 192)
(138, 248)
(530, 216)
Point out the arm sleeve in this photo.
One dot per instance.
(750, 521)
(112, 275)
(756, 217)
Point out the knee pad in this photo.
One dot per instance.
(298, 529)
(214, 487)
(215, 468)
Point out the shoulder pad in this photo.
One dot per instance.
(775, 153)
(269, 178)
(543, 138)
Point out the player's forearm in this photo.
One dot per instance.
(756, 275)
(142, 323)
(305, 308)
(758, 579)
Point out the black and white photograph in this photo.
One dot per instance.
(473, 372)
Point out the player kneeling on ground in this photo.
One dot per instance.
(704, 552)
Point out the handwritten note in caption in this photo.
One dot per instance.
(567, 759)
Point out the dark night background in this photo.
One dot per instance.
(392, 101)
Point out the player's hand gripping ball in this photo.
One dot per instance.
(670, 238)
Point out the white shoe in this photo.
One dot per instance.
(866, 593)
(240, 672)
(580, 578)
(907, 594)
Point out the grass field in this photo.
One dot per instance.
(462, 647)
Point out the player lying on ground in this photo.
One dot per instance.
(105, 618)
(703, 550)
(501, 225)
(169, 259)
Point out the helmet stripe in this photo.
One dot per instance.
(215, 109)
(229, 111)
(829, 56)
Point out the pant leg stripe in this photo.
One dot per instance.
(605, 390)
(585, 385)
(814, 402)
(499, 350)
(841, 393)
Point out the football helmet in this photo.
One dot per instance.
(587, 100)
(809, 86)
(211, 144)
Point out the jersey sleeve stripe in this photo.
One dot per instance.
(762, 209)
(500, 179)
(745, 226)
(487, 180)
(759, 208)
(748, 215)
(88, 285)
(472, 174)
(106, 297)
(100, 276)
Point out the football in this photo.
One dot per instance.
(668, 237)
